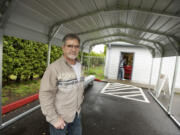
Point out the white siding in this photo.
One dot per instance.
(113, 63)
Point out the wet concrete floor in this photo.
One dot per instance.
(106, 115)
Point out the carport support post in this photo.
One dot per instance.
(88, 62)
(49, 54)
(152, 63)
(82, 54)
(173, 85)
(51, 36)
(1, 58)
(109, 49)
(159, 72)
(81, 57)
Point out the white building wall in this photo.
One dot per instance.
(142, 65)
(142, 62)
(168, 66)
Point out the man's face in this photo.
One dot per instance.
(71, 48)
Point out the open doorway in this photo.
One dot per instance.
(125, 66)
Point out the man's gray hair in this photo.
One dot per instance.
(71, 36)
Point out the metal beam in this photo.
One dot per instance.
(159, 74)
(123, 35)
(1, 59)
(82, 55)
(134, 43)
(109, 56)
(20, 116)
(157, 45)
(162, 106)
(159, 48)
(54, 32)
(143, 10)
(176, 49)
(125, 26)
(114, 40)
(49, 54)
(121, 40)
(175, 43)
(173, 85)
(151, 72)
(51, 36)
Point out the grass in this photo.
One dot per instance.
(97, 71)
(15, 91)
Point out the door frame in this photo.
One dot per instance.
(120, 56)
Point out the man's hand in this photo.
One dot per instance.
(60, 124)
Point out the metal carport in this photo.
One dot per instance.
(151, 24)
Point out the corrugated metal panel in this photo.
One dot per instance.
(40, 9)
(168, 51)
(100, 3)
(88, 5)
(27, 22)
(110, 3)
(177, 34)
(24, 33)
(147, 4)
(160, 22)
(34, 19)
(135, 3)
(168, 25)
(122, 2)
(174, 7)
(162, 4)
(32, 13)
(175, 29)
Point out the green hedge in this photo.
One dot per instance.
(24, 59)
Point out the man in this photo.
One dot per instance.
(61, 90)
(121, 68)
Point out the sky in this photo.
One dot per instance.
(98, 48)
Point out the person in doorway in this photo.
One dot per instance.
(61, 90)
(121, 68)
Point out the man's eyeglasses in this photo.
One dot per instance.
(73, 46)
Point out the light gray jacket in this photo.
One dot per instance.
(60, 94)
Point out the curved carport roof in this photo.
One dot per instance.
(154, 24)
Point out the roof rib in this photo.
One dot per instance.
(115, 9)
(123, 40)
(120, 34)
(125, 26)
